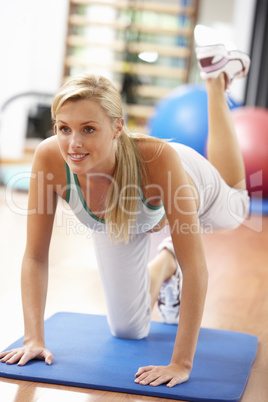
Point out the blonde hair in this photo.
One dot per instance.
(119, 213)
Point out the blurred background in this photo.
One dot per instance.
(145, 47)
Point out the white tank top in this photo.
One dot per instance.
(146, 217)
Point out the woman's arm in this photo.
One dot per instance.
(34, 275)
(189, 250)
(181, 211)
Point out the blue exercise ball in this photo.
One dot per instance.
(182, 116)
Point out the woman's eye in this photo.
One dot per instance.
(64, 129)
(89, 129)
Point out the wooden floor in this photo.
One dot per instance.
(237, 295)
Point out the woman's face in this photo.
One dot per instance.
(86, 137)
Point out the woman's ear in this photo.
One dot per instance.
(119, 125)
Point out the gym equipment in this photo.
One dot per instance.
(182, 116)
(251, 124)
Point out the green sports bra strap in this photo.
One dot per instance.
(68, 177)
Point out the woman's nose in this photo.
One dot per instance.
(76, 140)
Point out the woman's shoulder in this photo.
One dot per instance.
(154, 150)
(49, 163)
(49, 160)
(48, 147)
(48, 152)
(158, 158)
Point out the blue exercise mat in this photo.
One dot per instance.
(87, 355)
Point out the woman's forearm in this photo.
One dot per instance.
(34, 280)
(191, 311)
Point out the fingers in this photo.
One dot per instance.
(177, 380)
(24, 355)
(32, 354)
(142, 370)
(155, 379)
(48, 357)
(10, 356)
(2, 354)
(19, 356)
(174, 381)
(25, 358)
(157, 375)
(147, 375)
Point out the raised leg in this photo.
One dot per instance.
(223, 149)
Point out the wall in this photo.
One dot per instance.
(233, 19)
(32, 46)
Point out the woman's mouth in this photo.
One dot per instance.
(77, 157)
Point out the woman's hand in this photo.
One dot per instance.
(25, 354)
(155, 375)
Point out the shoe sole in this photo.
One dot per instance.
(206, 54)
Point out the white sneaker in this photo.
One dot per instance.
(215, 59)
(169, 300)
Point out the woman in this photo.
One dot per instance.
(124, 187)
